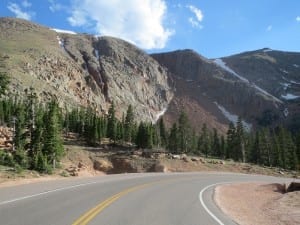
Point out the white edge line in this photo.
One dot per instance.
(205, 207)
(47, 192)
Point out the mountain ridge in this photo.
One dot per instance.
(89, 71)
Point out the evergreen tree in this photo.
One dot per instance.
(4, 81)
(173, 145)
(216, 147)
(129, 123)
(162, 132)
(239, 153)
(53, 145)
(231, 141)
(112, 123)
(205, 141)
(184, 132)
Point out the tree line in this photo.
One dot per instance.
(38, 131)
(267, 146)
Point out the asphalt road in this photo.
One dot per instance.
(128, 199)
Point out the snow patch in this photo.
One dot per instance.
(284, 71)
(63, 31)
(289, 96)
(232, 117)
(285, 85)
(188, 80)
(295, 65)
(159, 114)
(291, 81)
(267, 50)
(222, 64)
(61, 42)
(286, 112)
(96, 53)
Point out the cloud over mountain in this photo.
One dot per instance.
(138, 22)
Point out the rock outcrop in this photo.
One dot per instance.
(83, 70)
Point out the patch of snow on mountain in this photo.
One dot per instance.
(222, 64)
(286, 112)
(284, 71)
(188, 80)
(285, 85)
(289, 96)
(97, 53)
(295, 65)
(60, 42)
(291, 81)
(159, 114)
(63, 31)
(232, 117)
(267, 50)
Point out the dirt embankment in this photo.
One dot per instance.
(259, 204)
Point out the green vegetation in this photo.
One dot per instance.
(38, 145)
(37, 133)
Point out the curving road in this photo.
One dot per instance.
(128, 199)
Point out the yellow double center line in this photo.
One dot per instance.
(89, 215)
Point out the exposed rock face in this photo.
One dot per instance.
(215, 94)
(276, 72)
(83, 70)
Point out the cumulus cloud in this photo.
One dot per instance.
(19, 13)
(197, 12)
(139, 22)
(269, 28)
(298, 18)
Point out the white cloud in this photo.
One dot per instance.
(26, 4)
(298, 18)
(16, 9)
(54, 6)
(195, 23)
(140, 22)
(198, 13)
(269, 28)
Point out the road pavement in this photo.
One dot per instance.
(125, 199)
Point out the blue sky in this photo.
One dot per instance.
(213, 28)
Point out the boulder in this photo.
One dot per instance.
(103, 165)
(293, 186)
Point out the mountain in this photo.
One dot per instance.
(262, 87)
(81, 69)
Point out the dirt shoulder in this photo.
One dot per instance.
(258, 203)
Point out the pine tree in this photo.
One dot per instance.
(53, 145)
(4, 81)
(112, 123)
(162, 132)
(216, 148)
(205, 141)
(184, 133)
(129, 122)
(173, 145)
(231, 141)
(239, 148)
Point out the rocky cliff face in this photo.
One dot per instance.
(276, 72)
(217, 92)
(80, 69)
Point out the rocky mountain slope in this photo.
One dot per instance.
(217, 92)
(80, 69)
